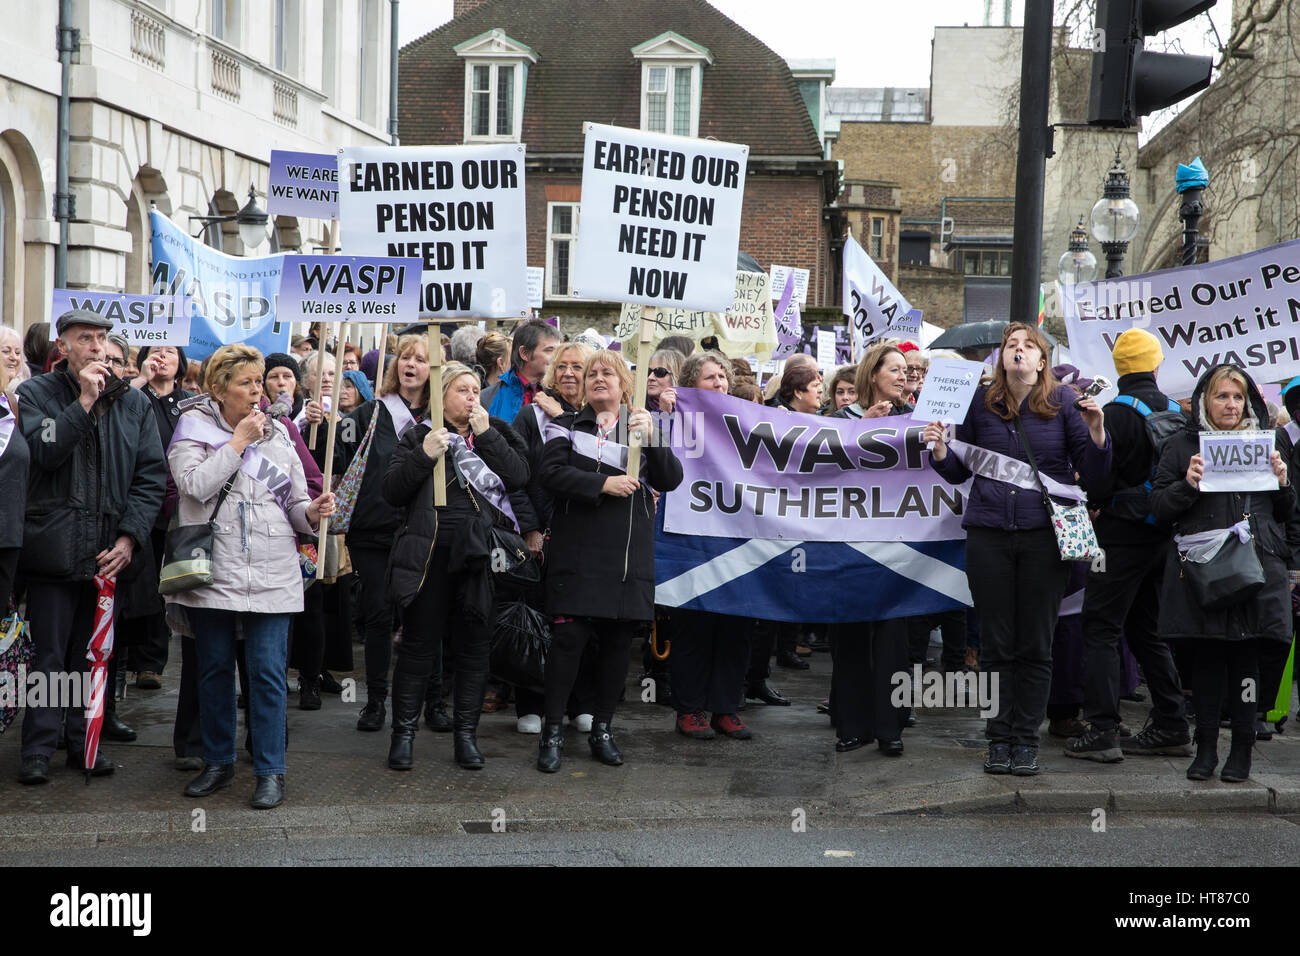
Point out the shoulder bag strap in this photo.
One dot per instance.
(221, 498)
(1033, 463)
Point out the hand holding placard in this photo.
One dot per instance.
(1239, 461)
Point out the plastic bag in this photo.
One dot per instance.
(520, 643)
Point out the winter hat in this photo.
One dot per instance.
(362, 386)
(1137, 350)
(281, 360)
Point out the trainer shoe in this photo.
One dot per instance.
(1094, 744)
(999, 759)
(1067, 727)
(529, 724)
(1024, 761)
(694, 725)
(1156, 742)
(731, 726)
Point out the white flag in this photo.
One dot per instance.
(869, 300)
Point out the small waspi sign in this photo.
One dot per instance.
(140, 319)
(349, 289)
(1237, 461)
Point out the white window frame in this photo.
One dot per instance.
(693, 103)
(877, 237)
(517, 110)
(551, 239)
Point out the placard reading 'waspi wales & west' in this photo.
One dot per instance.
(458, 209)
(660, 219)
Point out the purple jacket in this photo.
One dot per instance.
(1061, 445)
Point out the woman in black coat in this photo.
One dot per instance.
(600, 574)
(14, 462)
(1228, 640)
(439, 573)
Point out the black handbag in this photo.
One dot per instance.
(508, 554)
(187, 551)
(520, 643)
(1233, 576)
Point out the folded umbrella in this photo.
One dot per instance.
(98, 653)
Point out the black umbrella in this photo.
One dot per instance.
(971, 335)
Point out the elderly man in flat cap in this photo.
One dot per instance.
(96, 485)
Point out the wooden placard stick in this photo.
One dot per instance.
(320, 346)
(643, 353)
(435, 410)
(383, 347)
(330, 432)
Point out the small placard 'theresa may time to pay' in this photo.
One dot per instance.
(1237, 461)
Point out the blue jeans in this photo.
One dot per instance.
(266, 638)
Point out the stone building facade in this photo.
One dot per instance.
(177, 103)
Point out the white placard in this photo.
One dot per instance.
(1236, 461)
(536, 286)
(779, 274)
(949, 387)
(826, 348)
(660, 219)
(459, 209)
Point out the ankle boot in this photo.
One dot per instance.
(550, 749)
(1207, 754)
(408, 696)
(1236, 769)
(603, 747)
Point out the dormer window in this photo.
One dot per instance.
(496, 73)
(671, 76)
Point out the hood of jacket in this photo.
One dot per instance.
(1256, 412)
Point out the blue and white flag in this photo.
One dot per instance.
(232, 299)
(778, 580)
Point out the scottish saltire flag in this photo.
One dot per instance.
(793, 517)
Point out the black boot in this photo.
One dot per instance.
(469, 683)
(1207, 754)
(1236, 769)
(114, 728)
(603, 747)
(408, 695)
(436, 717)
(308, 692)
(550, 749)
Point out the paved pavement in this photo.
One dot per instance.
(338, 784)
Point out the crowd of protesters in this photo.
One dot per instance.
(105, 451)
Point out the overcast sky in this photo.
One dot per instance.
(873, 42)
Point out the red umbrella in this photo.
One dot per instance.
(98, 653)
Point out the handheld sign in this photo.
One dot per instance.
(536, 286)
(459, 209)
(141, 319)
(949, 387)
(660, 219)
(303, 184)
(781, 274)
(1236, 461)
(826, 348)
(348, 289)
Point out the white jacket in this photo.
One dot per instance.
(255, 544)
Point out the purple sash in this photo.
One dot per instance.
(607, 453)
(481, 478)
(8, 423)
(402, 417)
(256, 465)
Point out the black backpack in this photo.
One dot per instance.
(1132, 504)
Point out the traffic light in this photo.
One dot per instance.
(1128, 81)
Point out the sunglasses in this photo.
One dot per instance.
(660, 372)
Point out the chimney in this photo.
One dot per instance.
(461, 7)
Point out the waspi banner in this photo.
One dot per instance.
(1244, 311)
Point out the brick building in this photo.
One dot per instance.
(533, 71)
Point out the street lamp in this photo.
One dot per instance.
(1190, 182)
(1114, 218)
(251, 219)
(1078, 264)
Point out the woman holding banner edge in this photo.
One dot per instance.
(1013, 562)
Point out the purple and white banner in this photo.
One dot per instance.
(141, 319)
(349, 289)
(303, 184)
(756, 472)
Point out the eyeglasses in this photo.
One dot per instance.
(116, 362)
(660, 372)
(915, 372)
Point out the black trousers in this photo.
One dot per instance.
(307, 633)
(187, 737)
(436, 616)
(1272, 661)
(611, 644)
(62, 617)
(8, 568)
(952, 627)
(371, 565)
(146, 639)
(1125, 599)
(1017, 579)
(867, 656)
(708, 661)
(1221, 668)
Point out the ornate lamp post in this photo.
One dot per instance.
(1114, 218)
